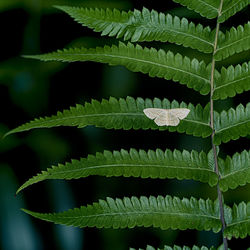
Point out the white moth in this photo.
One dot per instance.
(166, 117)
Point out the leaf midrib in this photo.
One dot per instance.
(133, 59)
(228, 45)
(223, 177)
(151, 26)
(208, 5)
(230, 7)
(127, 165)
(238, 222)
(175, 31)
(232, 82)
(228, 127)
(137, 213)
(51, 120)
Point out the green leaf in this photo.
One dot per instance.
(124, 114)
(231, 7)
(239, 224)
(210, 157)
(234, 41)
(210, 8)
(175, 248)
(232, 81)
(151, 164)
(144, 25)
(163, 212)
(235, 171)
(232, 124)
(206, 8)
(155, 63)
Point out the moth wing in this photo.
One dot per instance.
(153, 113)
(172, 119)
(166, 117)
(181, 113)
(162, 118)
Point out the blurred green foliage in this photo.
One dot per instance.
(30, 89)
(47, 4)
(16, 229)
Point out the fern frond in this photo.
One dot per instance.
(151, 164)
(232, 124)
(155, 63)
(144, 25)
(239, 224)
(175, 247)
(210, 8)
(163, 212)
(206, 8)
(235, 171)
(232, 81)
(230, 8)
(124, 114)
(235, 41)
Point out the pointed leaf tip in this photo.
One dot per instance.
(163, 212)
(134, 163)
(123, 114)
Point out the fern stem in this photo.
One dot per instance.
(219, 193)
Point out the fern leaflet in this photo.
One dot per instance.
(239, 224)
(231, 7)
(233, 80)
(206, 8)
(151, 164)
(175, 247)
(235, 41)
(124, 114)
(209, 8)
(164, 212)
(144, 25)
(155, 63)
(232, 124)
(235, 171)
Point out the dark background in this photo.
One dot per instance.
(30, 89)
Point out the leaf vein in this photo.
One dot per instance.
(232, 82)
(139, 213)
(228, 127)
(139, 60)
(223, 47)
(127, 165)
